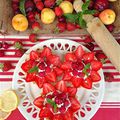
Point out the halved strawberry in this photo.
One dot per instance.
(68, 115)
(88, 57)
(66, 65)
(40, 81)
(67, 76)
(95, 76)
(51, 76)
(79, 52)
(75, 104)
(30, 77)
(58, 71)
(45, 113)
(96, 65)
(46, 52)
(61, 86)
(72, 91)
(34, 55)
(47, 87)
(70, 57)
(57, 117)
(39, 102)
(54, 59)
(76, 81)
(87, 83)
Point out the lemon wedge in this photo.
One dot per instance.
(9, 101)
(4, 115)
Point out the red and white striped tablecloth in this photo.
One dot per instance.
(110, 107)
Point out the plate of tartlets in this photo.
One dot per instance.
(59, 79)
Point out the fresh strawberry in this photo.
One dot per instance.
(51, 76)
(72, 91)
(58, 11)
(45, 113)
(6, 66)
(2, 53)
(70, 57)
(49, 3)
(61, 86)
(40, 81)
(54, 59)
(57, 117)
(66, 65)
(19, 52)
(75, 104)
(46, 52)
(39, 5)
(33, 37)
(88, 39)
(67, 76)
(47, 87)
(95, 76)
(18, 44)
(71, 26)
(36, 26)
(96, 65)
(68, 115)
(76, 81)
(88, 57)
(39, 101)
(58, 71)
(34, 55)
(87, 83)
(61, 27)
(30, 77)
(79, 52)
(101, 57)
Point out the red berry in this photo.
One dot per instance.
(5, 45)
(49, 3)
(29, 6)
(61, 26)
(39, 5)
(33, 37)
(62, 19)
(36, 26)
(62, 109)
(58, 11)
(71, 26)
(90, 46)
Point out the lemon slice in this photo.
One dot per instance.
(4, 115)
(9, 101)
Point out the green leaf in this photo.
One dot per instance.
(53, 104)
(91, 12)
(22, 7)
(85, 5)
(58, 2)
(34, 69)
(86, 67)
(55, 108)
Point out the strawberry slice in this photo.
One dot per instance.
(96, 65)
(47, 87)
(70, 57)
(75, 104)
(72, 91)
(39, 102)
(76, 81)
(40, 81)
(34, 55)
(79, 52)
(54, 59)
(30, 77)
(46, 52)
(88, 57)
(57, 117)
(61, 86)
(87, 83)
(68, 115)
(66, 65)
(45, 113)
(95, 76)
(58, 71)
(67, 76)
(51, 76)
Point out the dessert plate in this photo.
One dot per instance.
(90, 99)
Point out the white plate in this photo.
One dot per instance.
(90, 99)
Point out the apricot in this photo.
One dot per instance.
(20, 22)
(66, 6)
(47, 16)
(107, 16)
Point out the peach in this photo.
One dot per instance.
(20, 22)
(47, 16)
(107, 16)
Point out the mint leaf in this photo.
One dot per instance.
(91, 12)
(86, 67)
(85, 5)
(58, 2)
(53, 104)
(22, 7)
(55, 108)
(34, 69)
(82, 22)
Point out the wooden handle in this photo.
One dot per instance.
(105, 40)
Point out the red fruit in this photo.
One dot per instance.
(6, 66)
(45, 113)
(78, 26)
(18, 44)
(68, 115)
(39, 5)
(61, 26)
(39, 102)
(76, 81)
(75, 104)
(110, 27)
(101, 5)
(35, 1)
(2, 53)
(58, 71)
(30, 77)
(61, 19)
(42, 66)
(67, 76)
(39, 81)
(19, 53)
(36, 26)
(95, 76)
(96, 65)
(46, 52)
(72, 91)
(87, 83)
(58, 11)
(88, 57)
(101, 57)
(61, 86)
(79, 52)
(88, 39)
(49, 3)
(5, 45)
(51, 76)
(29, 6)
(90, 46)
(47, 87)
(57, 117)
(71, 26)
(62, 109)
(66, 65)
(33, 37)
(54, 59)
(70, 57)
(34, 55)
